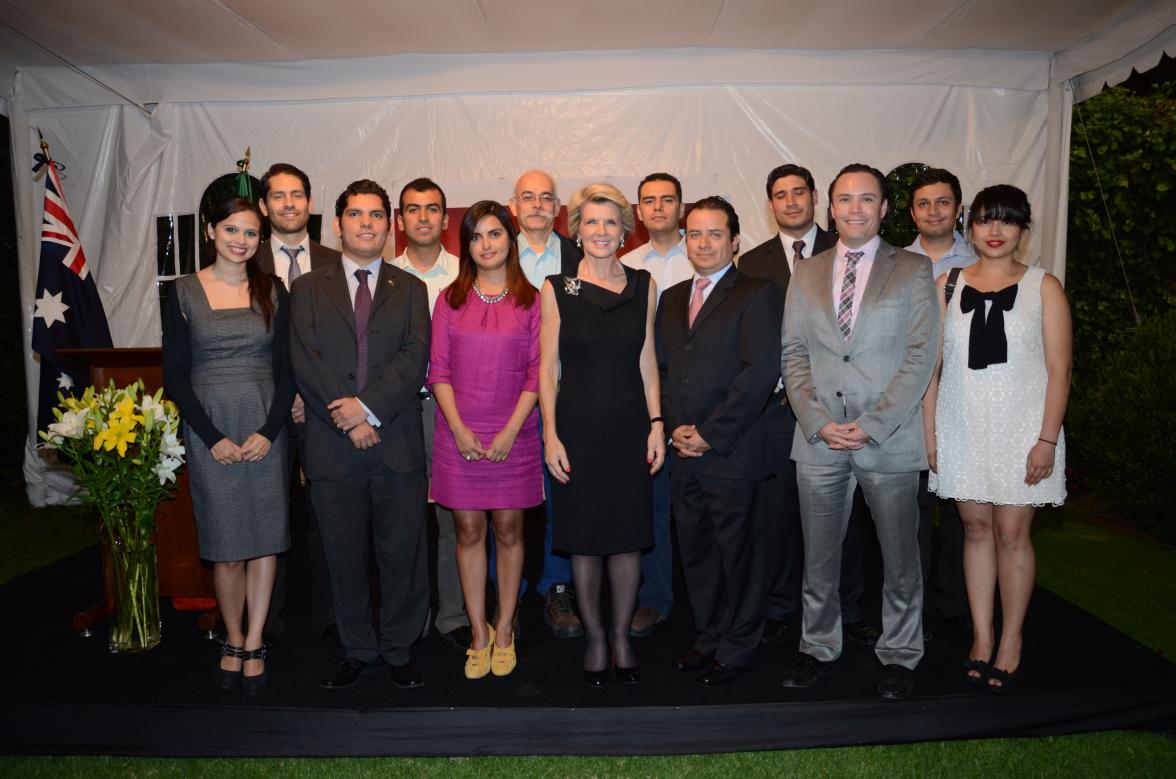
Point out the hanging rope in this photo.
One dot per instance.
(1102, 196)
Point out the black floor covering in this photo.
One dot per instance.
(66, 694)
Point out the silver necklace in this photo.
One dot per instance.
(496, 299)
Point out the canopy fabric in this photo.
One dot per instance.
(690, 103)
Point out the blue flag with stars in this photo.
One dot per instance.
(68, 312)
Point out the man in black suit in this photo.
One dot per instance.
(286, 203)
(360, 347)
(792, 194)
(718, 355)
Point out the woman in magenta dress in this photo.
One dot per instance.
(484, 372)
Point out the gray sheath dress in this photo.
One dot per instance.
(231, 377)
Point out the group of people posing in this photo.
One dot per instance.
(749, 398)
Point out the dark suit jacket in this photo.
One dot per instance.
(320, 256)
(322, 346)
(769, 262)
(719, 374)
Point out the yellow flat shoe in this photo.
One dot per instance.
(478, 661)
(504, 660)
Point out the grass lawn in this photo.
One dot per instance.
(1127, 581)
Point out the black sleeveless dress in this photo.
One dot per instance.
(602, 418)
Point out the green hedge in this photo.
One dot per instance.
(1122, 428)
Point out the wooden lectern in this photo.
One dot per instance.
(182, 574)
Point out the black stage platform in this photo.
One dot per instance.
(67, 695)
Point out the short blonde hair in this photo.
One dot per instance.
(599, 192)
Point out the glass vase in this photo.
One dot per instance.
(135, 624)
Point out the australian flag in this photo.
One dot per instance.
(68, 313)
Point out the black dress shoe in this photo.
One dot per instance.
(461, 637)
(596, 678)
(406, 676)
(804, 671)
(861, 633)
(896, 682)
(718, 674)
(229, 680)
(773, 629)
(628, 675)
(254, 685)
(691, 661)
(348, 673)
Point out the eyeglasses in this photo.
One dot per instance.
(546, 198)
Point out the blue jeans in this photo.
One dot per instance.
(657, 565)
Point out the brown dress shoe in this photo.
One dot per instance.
(643, 621)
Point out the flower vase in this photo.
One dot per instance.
(134, 625)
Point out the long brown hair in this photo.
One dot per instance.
(521, 290)
(261, 285)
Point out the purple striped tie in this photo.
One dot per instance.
(845, 304)
(363, 309)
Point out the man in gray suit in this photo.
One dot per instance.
(360, 347)
(289, 253)
(860, 335)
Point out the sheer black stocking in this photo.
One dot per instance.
(624, 579)
(586, 576)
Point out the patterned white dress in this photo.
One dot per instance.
(987, 420)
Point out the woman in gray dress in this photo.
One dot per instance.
(226, 365)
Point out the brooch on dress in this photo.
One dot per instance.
(571, 285)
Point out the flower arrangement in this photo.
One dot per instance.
(123, 448)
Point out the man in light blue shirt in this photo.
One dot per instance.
(936, 206)
(660, 208)
(543, 252)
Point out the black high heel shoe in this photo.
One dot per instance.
(254, 685)
(628, 675)
(229, 680)
(596, 678)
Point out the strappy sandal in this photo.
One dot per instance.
(254, 685)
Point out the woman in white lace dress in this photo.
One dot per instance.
(993, 420)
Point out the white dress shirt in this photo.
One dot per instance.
(440, 276)
(537, 267)
(809, 238)
(666, 269)
(350, 266)
(714, 282)
(282, 260)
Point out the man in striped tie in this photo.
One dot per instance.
(860, 337)
(289, 253)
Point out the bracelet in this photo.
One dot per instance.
(1047, 441)
(654, 420)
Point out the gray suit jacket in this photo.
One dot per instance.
(878, 378)
(322, 351)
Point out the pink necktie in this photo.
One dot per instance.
(696, 300)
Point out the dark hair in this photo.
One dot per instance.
(790, 170)
(362, 187)
(521, 291)
(1002, 202)
(283, 167)
(861, 167)
(937, 176)
(719, 203)
(421, 185)
(660, 177)
(261, 285)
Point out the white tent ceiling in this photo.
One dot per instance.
(1084, 35)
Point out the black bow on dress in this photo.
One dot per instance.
(987, 344)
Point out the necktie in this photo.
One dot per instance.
(363, 309)
(295, 269)
(845, 304)
(696, 300)
(797, 248)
